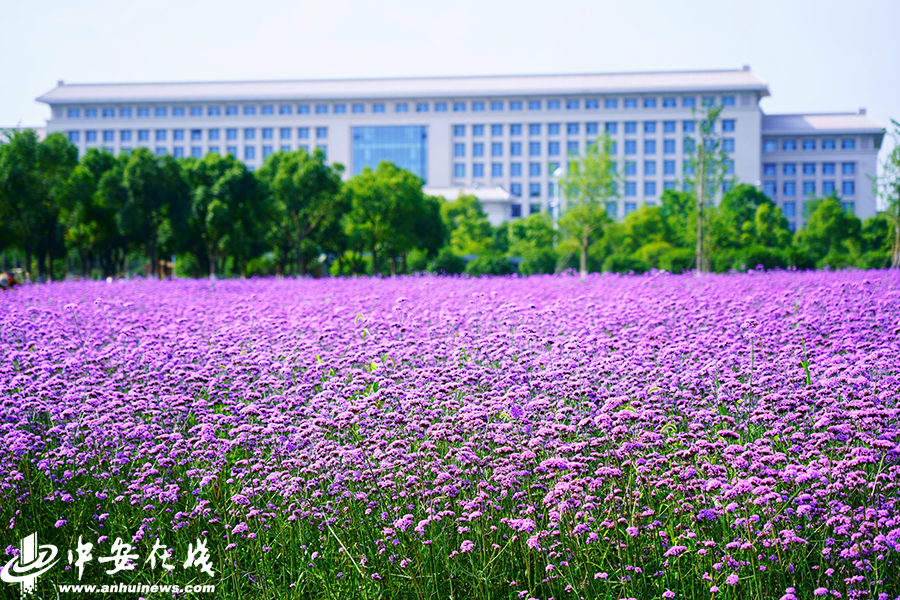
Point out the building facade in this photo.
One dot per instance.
(510, 133)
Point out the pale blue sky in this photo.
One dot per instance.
(817, 56)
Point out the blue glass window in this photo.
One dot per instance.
(358, 108)
(401, 107)
(515, 129)
(378, 107)
(496, 149)
(729, 166)
(303, 133)
(809, 168)
(249, 133)
(770, 146)
(324, 150)
(161, 111)
(649, 102)
(591, 128)
(612, 209)
(552, 128)
(178, 152)
(689, 102)
(267, 133)
(573, 104)
(649, 126)
(827, 168)
(515, 105)
(196, 151)
(496, 169)
(611, 128)
(496, 129)
(668, 102)
(285, 147)
(728, 144)
(73, 113)
(572, 147)
(266, 151)
(251, 110)
(534, 129)
(478, 170)
(143, 112)
(161, 151)
(592, 104)
(848, 168)
(339, 109)
(496, 105)
(630, 127)
(809, 188)
(649, 146)
(630, 147)
(109, 135)
(109, 113)
(196, 135)
(727, 100)
(321, 132)
(214, 111)
(515, 169)
(231, 134)
(790, 209)
(285, 133)
(770, 169)
(668, 185)
(516, 190)
(285, 109)
(572, 128)
(770, 188)
(459, 150)
(321, 109)
(515, 149)
(790, 188)
(213, 134)
(178, 135)
(459, 170)
(477, 130)
(630, 167)
(848, 188)
(848, 144)
(809, 144)
(789, 169)
(709, 100)
(440, 107)
(553, 148)
(789, 145)
(649, 167)
(669, 167)
(649, 188)
(534, 190)
(534, 148)
(459, 106)
(478, 107)
(611, 103)
(534, 169)
(688, 126)
(553, 104)
(613, 147)
(231, 111)
(478, 149)
(160, 135)
(90, 135)
(268, 109)
(668, 146)
(422, 107)
(630, 102)
(303, 109)
(688, 145)
(827, 188)
(728, 125)
(459, 130)
(630, 189)
(125, 113)
(405, 146)
(828, 145)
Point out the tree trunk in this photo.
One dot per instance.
(584, 249)
(27, 269)
(895, 259)
(212, 265)
(374, 258)
(700, 214)
(393, 266)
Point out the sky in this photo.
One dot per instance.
(816, 56)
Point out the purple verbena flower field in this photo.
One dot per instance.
(658, 436)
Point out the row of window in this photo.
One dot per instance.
(790, 169)
(399, 107)
(650, 190)
(791, 145)
(196, 135)
(789, 210)
(573, 147)
(611, 127)
(534, 168)
(789, 188)
(197, 152)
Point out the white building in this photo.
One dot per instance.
(484, 133)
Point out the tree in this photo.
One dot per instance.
(468, 226)
(303, 192)
(144, 210)
(531, 239)
(32, 178)
(888, 187)
(707, 166)
(831, 235)
(589, 183)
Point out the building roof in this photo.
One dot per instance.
(483, 193)
(808, 124)
(412, 87)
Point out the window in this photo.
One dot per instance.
(809, 144)
(303, 147)
(160, 135)
(630, 127)
(789, 145)
(324, 149)
(231, 134)
(249, 133)
(770, 169)
(266, 151)
(515, 129)
(668, 185)
(592, 104)
(321, 133)
(688, 102)
(649, 188)
(809, 188)
(496, 169)
(770, 188)
(848, 207)
(827, 188)
(790, 209)
(440, 107)
(421, 107)
(478, 149)
(630, 102)
(611, 128)
(728, 125)
(789, 169)
(649, 126)
(378, 107)
(339, 109)
(669, 167)
(358, 108)
(515, 149)
(534, 190)
(285, 148)
(827, 144)
(321, 109)
(231, 111)
(515, 169)
(668, 103)
(848, 144)
(160, 151)
(515, 189)
(630, 167)
(553, 148)
(770, 146)
(284, 109)
(232, 150)
(73, 113)
(303, 132)
(515, 211)
(125, 113)
(727, 100)
(477, 130)
(196, 152)
(496, 105)
(535, 208)
(401, 107)
(161, 111)
(109, 135)
(688, 126)
(552, 166)
(649, 167)
(572, 147)
(668, 146)
(459, 170)
(143, 112)
(649, 146)
(249, 152)
(572, 128)
(630, 189)
(178, 152)
(848, 168)
(534, 148)
(827, 168)
(848, 188)
(688, 145)
(515, 105)
(809, 168)
(649, 102)
(478, 170)
(591, 128)
(553, 104)
(214, 111)
(630, 147)
(285, 133)
(267, 133)
(534, 169)
(789, 188)
(90, 136)
(552, 128)
(729, 166)
(611, 103)
(459, 130)
(459, 106)
(612, 209)
(573, 104)
(109, 113)
(709, 100)
(478, 107)
(178, 135)
(249, 110)
(213, 134)
(496, 149)
(496, 130)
